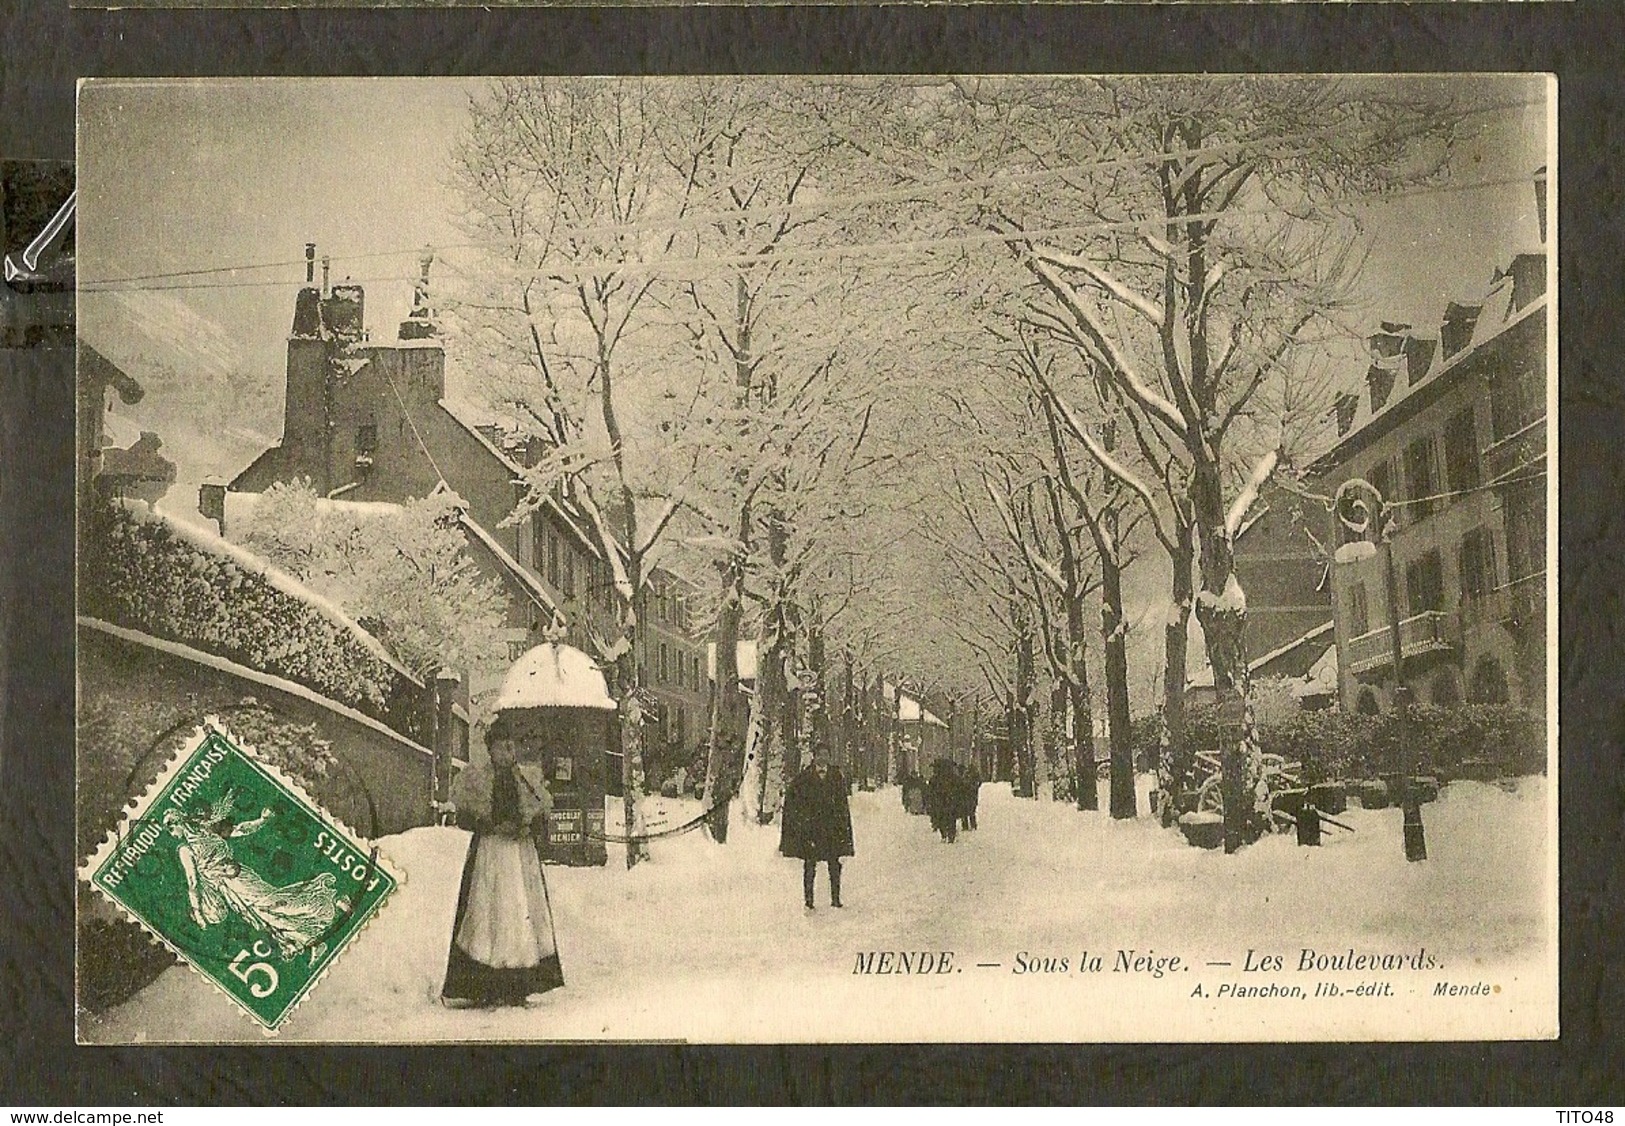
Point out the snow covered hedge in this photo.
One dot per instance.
(140, 572)
(1496, 739)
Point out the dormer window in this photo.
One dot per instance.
(1345, 406)
(1380, 380)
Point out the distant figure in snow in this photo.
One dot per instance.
(971, 792)
(503, 948)
(944, 795)
(817, 824)
(913, 793)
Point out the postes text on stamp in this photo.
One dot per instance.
(242, 875)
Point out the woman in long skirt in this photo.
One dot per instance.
(503, 949)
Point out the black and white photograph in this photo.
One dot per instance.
(874, 559)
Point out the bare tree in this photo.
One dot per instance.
(1216, 253)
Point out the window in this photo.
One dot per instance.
(1517, 398)
(553, 559)
(665, 670)
(1477, 563)
(1359, 611)
(1461, 453)
(1525, 509)
(1424, 583)
(568, 588)
(1420, 479)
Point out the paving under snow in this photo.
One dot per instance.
(710, 943)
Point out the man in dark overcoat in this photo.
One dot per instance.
(817, 824)
(943, 795)
(970, 780)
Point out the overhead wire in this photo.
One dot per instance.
(834, 203)
(812, 253)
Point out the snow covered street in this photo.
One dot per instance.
(709, 943)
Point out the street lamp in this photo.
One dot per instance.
(1361, 509)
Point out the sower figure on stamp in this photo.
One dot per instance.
(817, 824)
(503, 949)
(295, 917)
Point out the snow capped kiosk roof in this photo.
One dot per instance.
(554, 676)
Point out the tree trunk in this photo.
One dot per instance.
(722, 765)
(1177, 760)
(777, 738)
(1021, 733)
(629, 693)
(816, 694)
(846, 726)
(1221, 607)
(1115, 628)
(1005, 769)
(1062, 759)
(725, 765)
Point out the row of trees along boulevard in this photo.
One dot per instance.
(914, 372)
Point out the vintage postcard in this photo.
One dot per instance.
(817, 559)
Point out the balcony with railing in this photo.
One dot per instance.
(1432, 631)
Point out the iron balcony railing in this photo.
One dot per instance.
(1431, 631)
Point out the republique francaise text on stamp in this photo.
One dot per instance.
(238, 872)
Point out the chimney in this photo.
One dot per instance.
(420, 299)
(310, 263)
(327, 271)
(211, 502)
(1540, 200)
(419, 324)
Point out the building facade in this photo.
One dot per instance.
(1282, 564)
(369, 420)
(1451, 431)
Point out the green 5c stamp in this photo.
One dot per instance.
(241, 874)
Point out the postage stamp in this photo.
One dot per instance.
(235, 869)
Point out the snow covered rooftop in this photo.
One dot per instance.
(554, 676)
(1497, 313)
(241, 506)
(1321, 679)
(1321, 634)
(472, 417)
(533, 586)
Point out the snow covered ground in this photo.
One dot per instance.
(709, 943)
